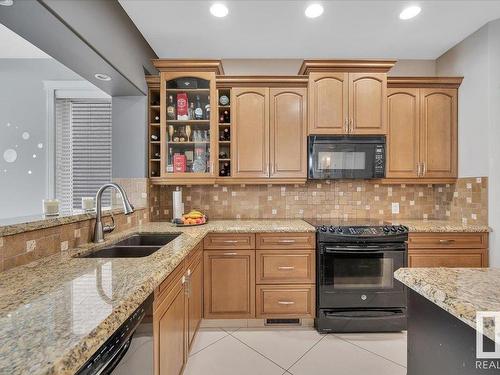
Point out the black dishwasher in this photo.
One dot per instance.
(108, 356)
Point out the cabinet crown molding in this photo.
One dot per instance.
(186, 65)
(153, 81)
(423, 82)
(380, 66)
(264, 81)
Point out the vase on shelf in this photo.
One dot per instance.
(171, 132)
(188, 132)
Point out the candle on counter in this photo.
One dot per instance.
(51, 207)
(88, 203)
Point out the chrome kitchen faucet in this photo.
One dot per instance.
(99, 228)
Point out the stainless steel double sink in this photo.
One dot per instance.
(135, 246)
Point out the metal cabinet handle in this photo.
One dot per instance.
(351, 126)
(286, 241)
(346, 125)
(446, 241)
(230, 241)
(418, 169)
(286, 303)
(230, 253)
(424, 168)
(286, 268)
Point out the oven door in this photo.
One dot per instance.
(361, 276)
(346, 157)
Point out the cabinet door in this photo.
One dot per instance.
(403, 137)
(195, 299)
(229, 284)
(439, 132)
(170, 332)
(328, 103)
(250, 143)
(368, 103)
(288, 133)
(187, 144)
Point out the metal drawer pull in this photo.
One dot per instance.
(286, 302)
(286, 241)
(230, 253)
(446, 241)
(230, 241)
(286, 268)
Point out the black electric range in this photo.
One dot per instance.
(355, 263)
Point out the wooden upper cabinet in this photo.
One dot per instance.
(328, 103)
(250, 132)
(403, 141)
(288, 140)
(367, 103)
(439, 132)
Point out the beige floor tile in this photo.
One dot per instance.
(335, 356)
(229, 357)
(388, 345)
(281, 345)
(206, 337)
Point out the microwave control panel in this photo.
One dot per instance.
(380, 161)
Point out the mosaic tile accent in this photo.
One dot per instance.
(136, 189)
(465, 200)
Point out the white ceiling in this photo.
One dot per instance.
(15, 47)
(279, 29)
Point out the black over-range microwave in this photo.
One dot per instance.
(336, 157)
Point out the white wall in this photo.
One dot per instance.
(23, 110)
(469, 59)
(292, 66)
(129, 136)
(419, 68)
(477, 58)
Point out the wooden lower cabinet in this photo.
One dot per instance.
(177, 313)
(195, 296)
(448, 250)
(169, 330)
(229, 284)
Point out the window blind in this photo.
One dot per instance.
(83, 150)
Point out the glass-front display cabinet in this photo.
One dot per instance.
(188, 125)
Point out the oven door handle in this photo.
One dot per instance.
(364, 250)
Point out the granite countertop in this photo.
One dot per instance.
(439, 226)
(57, 311)
(460, 291)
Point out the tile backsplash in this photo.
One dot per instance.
(466, 201)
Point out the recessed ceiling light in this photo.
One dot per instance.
(102, 77)
(410, 12)
(314, 10)
(219, 10)
(6, 3)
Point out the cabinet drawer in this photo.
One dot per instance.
(244, 241)
(285, 301)
(283, 266)
(440, 259)
(168, 284)
(448, 240)
(286, 241)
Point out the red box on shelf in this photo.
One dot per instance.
(182, 106)
(180, 163)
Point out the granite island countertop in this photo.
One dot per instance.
(57, 311)
(460, 291)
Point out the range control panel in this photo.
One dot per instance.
(372, 231)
